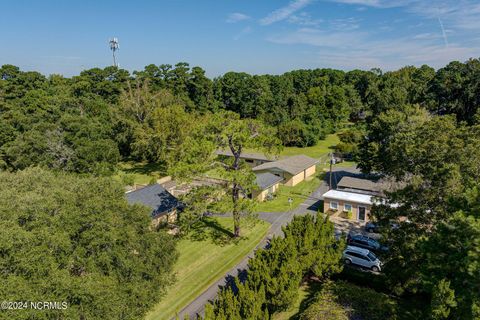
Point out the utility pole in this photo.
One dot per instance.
(332, 162)
(114, 46)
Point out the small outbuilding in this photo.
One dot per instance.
(163, 204)
(292, 170)
(267, 183)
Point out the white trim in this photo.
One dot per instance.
(345, 206)
(358, 213)
(349, 197)
(336, 205)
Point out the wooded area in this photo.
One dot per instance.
(89, 122)
(69, 233)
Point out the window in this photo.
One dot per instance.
(333, 205)
(371, 256)
(347, 207)
(357, 255)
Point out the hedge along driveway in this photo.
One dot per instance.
(206, 256)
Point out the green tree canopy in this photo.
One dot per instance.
(76, 240)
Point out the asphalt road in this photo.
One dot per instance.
(277, 220)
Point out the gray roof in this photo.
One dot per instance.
(247, 155)
(155, 197)
(357, 183)
(367, 186)
(266, 179)
(292, 165)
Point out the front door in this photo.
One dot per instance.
(361, 213)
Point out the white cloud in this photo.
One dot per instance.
(370, 3)
(319, 38)
(356, 49)
(345, 24)
(304, 19)
(237, 17)
(463, 14)
(426, 35)
(242, 33)
(284, 12)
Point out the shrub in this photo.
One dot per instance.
(342, 300)
(325, 307)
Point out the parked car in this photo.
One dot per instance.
(373, 227)
(362, 257)
(365, 242)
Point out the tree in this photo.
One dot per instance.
(225, 131)
(436, 162)
(149, 123)
(443, 298)
(319, 253)
(76, 240)
(275, 273)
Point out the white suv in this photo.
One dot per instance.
(361, 257)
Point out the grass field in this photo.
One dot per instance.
(138, 172)
(303, 294)
(205, 257)
(298, 193)
(326, 166)
(321, 149)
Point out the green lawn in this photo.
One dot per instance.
(321, 149)
(325, 166)
(214, 173)
(292, 313)
(298, 193)
(205, 257)
(138, 172)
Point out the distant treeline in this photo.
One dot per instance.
(89, 122)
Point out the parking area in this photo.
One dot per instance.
(348, 226)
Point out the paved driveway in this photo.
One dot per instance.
(277, 220)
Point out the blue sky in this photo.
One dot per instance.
(255, 36)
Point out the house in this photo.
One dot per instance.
(292, 170)
(342, 201)
(253, 159)
(267, 183)
(356, 196)
(163, 204)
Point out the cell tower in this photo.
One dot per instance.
(114, 47)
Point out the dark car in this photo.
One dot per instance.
(362, 241)
(373, 227)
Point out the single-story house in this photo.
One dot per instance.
(163, 204)
(342, 201)
(292, 170)
(267, 183)
(253, 159)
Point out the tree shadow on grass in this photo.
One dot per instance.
(145, 168)
(312, 287)
(211, 229)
